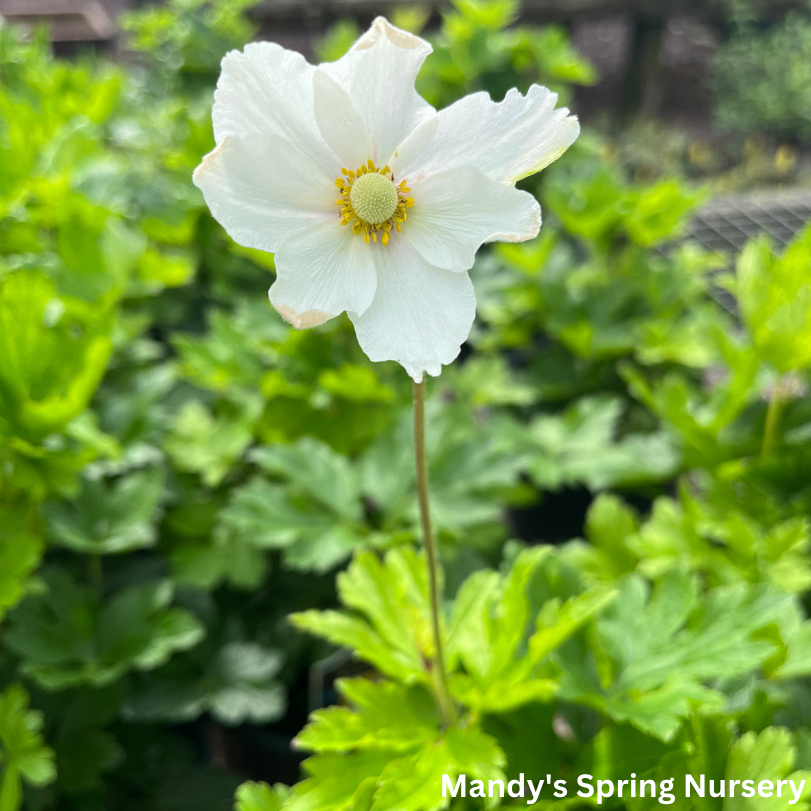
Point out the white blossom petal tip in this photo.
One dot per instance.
(312, 318)
(378, 75)
(396, 36)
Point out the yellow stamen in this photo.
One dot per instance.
(372, 202)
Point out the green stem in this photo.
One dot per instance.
(446, 705)
(773, 413)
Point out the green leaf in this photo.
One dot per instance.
(85, 758)
(228, 558)
(701, 416)
(415, 783)
(723, 543)
(794, 659)
(156, 271)
(775, 301)
(357, 384)
(610, 528)
(590, 207)
(53, 352)
(23, 755)
(767, 756)
(382, 716)
(260, 797)
(393, 629)
(110, 518)
(662, 647)
(579, 447)
(488, 381)
(67, 638)
(336, 781)
(85, 750)
(236, 351)
(20, 553)
(491, 615)
(268, 516)
(384, 781)
(720, 643)
(660, 212)
(556, 622)
(470, 471)
(345, 631)
(246, 692)
(661, 711)
(316, 470)
(236, 684)
(209, 446)
(488, 634)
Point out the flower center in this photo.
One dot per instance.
(372, 202)
(374, 198)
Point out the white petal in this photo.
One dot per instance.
(378, 74)
(340, 124)
(507, 140)
(455, 212)
(268, 89)
(262, 190)
(421, 315)
(417, 143)
(321, 272)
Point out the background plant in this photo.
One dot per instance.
(181, 472)
(761, 79)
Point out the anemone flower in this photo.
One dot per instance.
(374, 203)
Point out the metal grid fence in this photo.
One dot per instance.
(727, 223)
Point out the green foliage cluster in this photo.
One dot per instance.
(187, 485)
(762, 77)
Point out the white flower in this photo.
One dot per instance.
(373, 202)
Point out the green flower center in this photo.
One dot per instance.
(374, 198)
(371, 202)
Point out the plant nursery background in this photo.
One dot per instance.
(620, 460)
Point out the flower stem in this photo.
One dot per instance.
(773, 413)
(440, 674)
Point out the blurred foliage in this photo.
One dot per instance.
(652, 150)
(189, 36)
(180, 472)
(762, 79)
